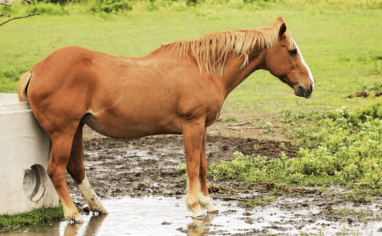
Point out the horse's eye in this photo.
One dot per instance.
(293, 52)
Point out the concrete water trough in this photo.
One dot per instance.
(24, 157)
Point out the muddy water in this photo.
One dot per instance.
(168, 216)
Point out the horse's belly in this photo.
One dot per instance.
(129, 128)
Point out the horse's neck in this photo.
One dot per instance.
(234, 74)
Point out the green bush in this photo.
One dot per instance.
(47, 8)
(37, 7)
(112, 6)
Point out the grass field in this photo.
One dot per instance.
(342, 47)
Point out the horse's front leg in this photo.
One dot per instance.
(192, 135)
(204, 197)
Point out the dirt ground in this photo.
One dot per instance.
(363, 94)
(148, 167)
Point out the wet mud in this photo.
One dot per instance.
(148, 166)
(147, 169)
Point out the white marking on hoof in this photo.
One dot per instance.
(71, 213)
(91, 197)
(205, 203)
(193, 205)
(75, 216)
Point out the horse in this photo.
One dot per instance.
(177, 89)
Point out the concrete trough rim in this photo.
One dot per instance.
(21, 106)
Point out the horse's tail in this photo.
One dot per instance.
(23, 84)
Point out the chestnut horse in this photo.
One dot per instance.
(177, 89)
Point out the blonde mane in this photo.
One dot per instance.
(212, 50)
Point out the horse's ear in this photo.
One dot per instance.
(282, 30)
(280, 21)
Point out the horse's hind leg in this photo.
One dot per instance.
(76, 169)
(61, 146)
(204, 198)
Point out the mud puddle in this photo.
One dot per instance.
(148, 166)
(168, 216)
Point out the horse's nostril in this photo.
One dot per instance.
(301, 91)
(311, 87)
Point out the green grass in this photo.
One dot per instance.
(342, 47)
(231, 119)
(34, 217)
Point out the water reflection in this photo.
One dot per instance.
(92, 226)
(196, 228)
(199, 227)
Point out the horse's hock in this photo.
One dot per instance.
(24, 156)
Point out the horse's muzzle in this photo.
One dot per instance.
(303, 91)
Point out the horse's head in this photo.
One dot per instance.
(285, 61)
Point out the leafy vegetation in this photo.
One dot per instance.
(347, 149)
(268, 126)
(36, 216)
(181, 167)
(231, 119)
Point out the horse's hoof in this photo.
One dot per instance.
(213, 211)
(104, 212)
(78, 220)
(99, 209)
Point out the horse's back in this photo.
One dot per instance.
(121, 96)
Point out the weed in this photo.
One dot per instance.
(231, 119)
(376, 87)
(269, 199)
(252, 203)
(268, 126)
(376, 69)
(256, 118)
(181, 167)
(286, 116)
(185, 176)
